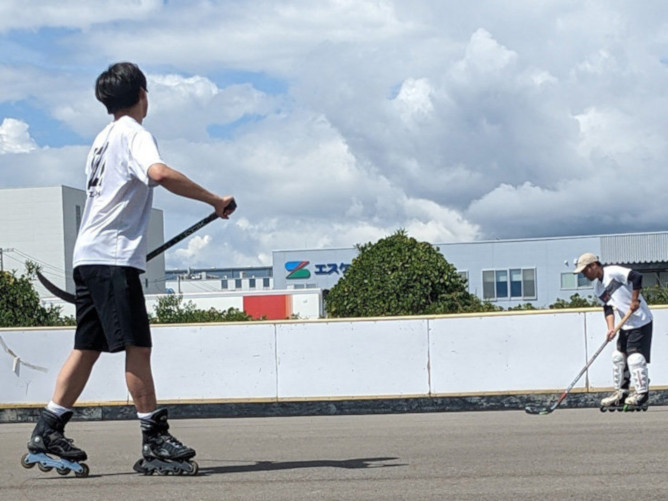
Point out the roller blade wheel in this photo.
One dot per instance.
(84, 473)
(188, 468)
(25, 463)
(61, 470)
(610, 408)
(624, 408)
(635, 408)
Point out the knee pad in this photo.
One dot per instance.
(638, 370)
(636, 360)
(618, 367)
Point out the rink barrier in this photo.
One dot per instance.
(503, 360)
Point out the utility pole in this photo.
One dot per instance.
(2, 266)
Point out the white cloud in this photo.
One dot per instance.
(33, 14)
(202, 102)
(614, 134)
(338, 122)
(44, 167)
(14, 137)
(485, 56)
(414, 100)
(195, 247)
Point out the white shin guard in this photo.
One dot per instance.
(618, 366)
(639, 373)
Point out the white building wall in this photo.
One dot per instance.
(41, 224)
(154, 278)
(32, 222)
(191, 285)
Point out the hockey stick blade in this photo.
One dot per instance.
(538, 410)
(51, 287)
(70, 298)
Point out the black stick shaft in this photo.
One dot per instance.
(183, 235)
(70, 298)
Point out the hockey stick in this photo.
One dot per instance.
(70, 298)
(547, 410)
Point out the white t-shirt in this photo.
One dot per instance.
(615, 290)
(119, 196)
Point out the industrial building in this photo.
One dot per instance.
(41, 225)
(507, 273)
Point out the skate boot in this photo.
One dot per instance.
(48, 440)
(162, 453)
(636, 401)
(614, 401)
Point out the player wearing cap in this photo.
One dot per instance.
(618, 288)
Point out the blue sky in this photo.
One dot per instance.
(338, 122)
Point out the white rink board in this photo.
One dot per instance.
(214, 361)
(472, 354)
(421, 356)
(349, 359)
(600, 373)
(48, 349)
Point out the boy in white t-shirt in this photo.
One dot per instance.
(618, 288)
(122, 169)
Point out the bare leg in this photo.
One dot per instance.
(73, 376)
(139, 378)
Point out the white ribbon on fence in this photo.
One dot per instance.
(18, 361)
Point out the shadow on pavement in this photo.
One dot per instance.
(358, 463)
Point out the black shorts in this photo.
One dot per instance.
(111, 310)
(636, 341)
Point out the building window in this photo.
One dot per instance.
(501, 283)
(488, 291)
(77, 216)
(265, 283)
(251, 283)
(514, 283)
(237, 283)
(572, 281)
(224, 284)
(529, 283)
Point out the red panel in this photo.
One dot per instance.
(273, 307)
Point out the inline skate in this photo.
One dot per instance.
(48, 440)
(161, 452)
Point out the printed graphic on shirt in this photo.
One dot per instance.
(97, 164)
(609, 291)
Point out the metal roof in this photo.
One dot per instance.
(635, 248)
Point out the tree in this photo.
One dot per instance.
(400, 276)
(20, 305)
(172, 310)
(522, 307)
(575, 301)
(656, 294)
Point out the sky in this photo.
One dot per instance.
(339, 122)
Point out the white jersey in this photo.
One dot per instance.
(119, 196)
(615, 290)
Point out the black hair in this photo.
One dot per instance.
(118, 87)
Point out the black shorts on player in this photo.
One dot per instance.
(111, 309)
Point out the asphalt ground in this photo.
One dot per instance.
(489, 455)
